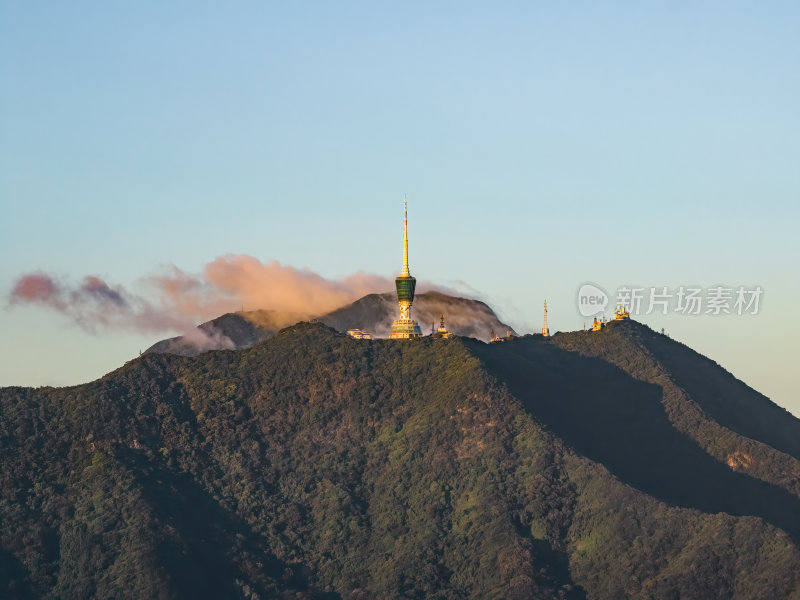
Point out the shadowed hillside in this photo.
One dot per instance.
(620, 422)
(726, 399)
(313, 465)
(727, 419)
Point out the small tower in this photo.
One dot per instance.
(597, 325)
(442, 331)
(545, 328)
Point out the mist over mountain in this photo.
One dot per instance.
(615, 464)
(373, 313)
(230, 331)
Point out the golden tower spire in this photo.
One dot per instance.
(405, 272)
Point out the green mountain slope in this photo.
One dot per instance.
(313, 465)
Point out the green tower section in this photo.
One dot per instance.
(405, 289)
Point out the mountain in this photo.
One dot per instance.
(230, 331)
(615, 464)
(373, 313)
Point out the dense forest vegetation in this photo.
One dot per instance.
(311, 465)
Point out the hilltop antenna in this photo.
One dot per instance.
(545, 328)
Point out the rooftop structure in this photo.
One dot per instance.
(359, 334)
(493, 337)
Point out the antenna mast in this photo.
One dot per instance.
(545, 328)
(405, 272)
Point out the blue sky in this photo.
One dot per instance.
(541, 146)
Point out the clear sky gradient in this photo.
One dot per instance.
(542, 145)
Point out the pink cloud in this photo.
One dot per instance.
(177, 301)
